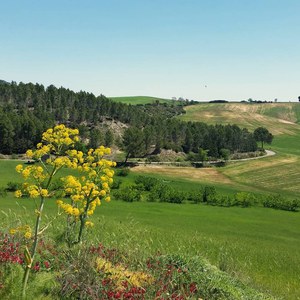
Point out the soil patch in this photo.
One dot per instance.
(203, 174)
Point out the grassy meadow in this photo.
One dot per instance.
(279, 118)
(134, 100)
(258, 246)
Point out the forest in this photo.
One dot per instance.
(26, 110)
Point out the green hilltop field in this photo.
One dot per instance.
(134, 100)
(279, 118)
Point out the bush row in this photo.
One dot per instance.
(156, 190)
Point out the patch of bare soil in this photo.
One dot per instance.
(201, 174)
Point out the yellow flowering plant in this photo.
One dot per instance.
(85, 191)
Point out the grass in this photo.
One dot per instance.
(279, 118)
(257, 245)
(279, 173)
(134, 100)
(250, 244)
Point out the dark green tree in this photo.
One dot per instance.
(108, 138)
(133, 141)
(262, 134)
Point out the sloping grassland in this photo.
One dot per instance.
(279, 173)
(279, 118)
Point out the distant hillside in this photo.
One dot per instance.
(134, 100)
(279, 118)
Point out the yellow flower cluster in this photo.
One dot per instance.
(24, 230)
(60, 135)
(33, 191)
(87, 191)
(120, 274)
(55, 141)
(68, 208)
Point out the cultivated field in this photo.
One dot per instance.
(279, 118)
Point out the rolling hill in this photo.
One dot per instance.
(279, 118)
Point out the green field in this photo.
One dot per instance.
(256, 245)
(134, 100)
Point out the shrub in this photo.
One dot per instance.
(195, 196)
(278, 202)
(116, 184)
(244, 199)
(147, 182)
(209, 194)
(123, 172)
(163, 193)
(13, 186)
(128, 194)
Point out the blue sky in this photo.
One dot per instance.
(194, 49)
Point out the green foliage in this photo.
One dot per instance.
(245, 199)
(191, 230)
(164, 193)
(261, 134)
(128, 194)
(123, 172)
(195, 196)
(116, 184)
(148, 183)
(278, 202)
(10, 281)
(133, 141)
(13, 186)
(225, 153)
(209, 194)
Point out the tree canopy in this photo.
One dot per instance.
(262, 134)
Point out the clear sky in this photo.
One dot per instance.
(201, 50)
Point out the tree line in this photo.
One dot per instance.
(26, 110)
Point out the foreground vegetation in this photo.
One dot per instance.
(262, 253)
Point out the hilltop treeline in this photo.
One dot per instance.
(26, 110)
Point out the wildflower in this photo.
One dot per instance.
(89, 224)
(33, 193)
(59, 202)
(44, 193)
(19, 168)
(26, 173)
(27, 235)
(29, 153)
(12, 231)
(18, 194)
